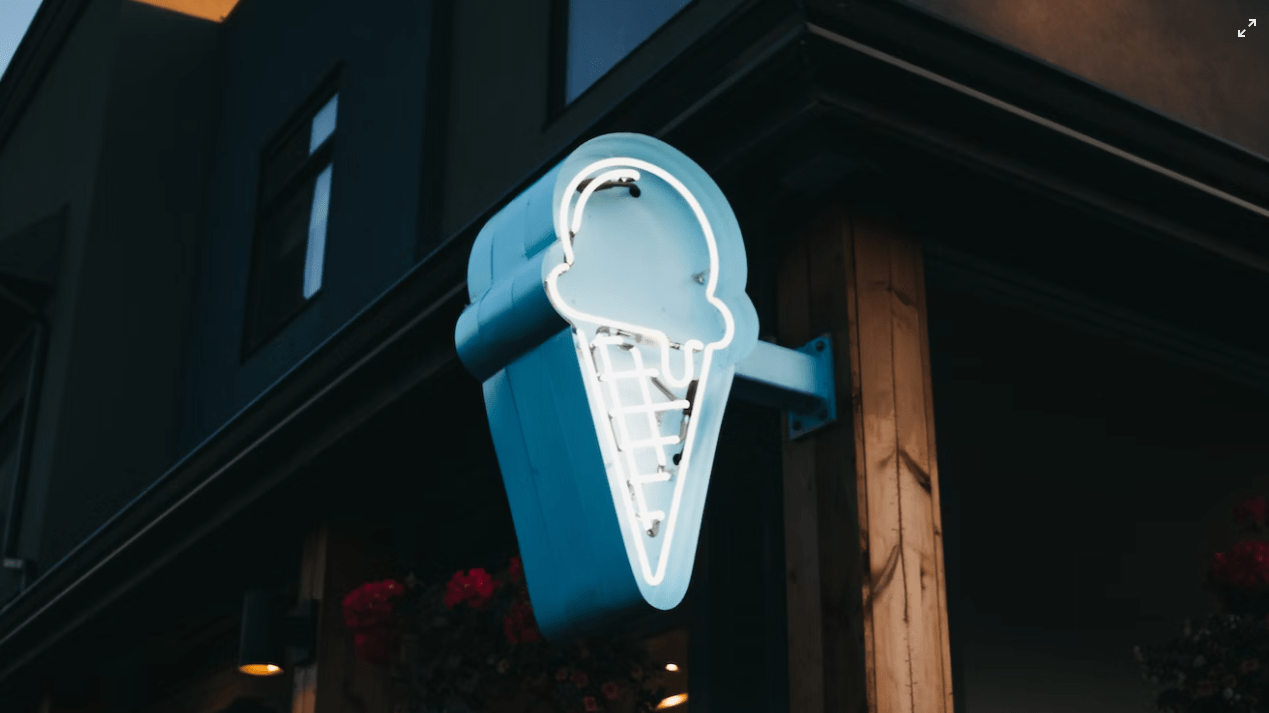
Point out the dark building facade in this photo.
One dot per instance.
(233, 248)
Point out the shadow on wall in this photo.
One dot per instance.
(1085, 485)
(247, 705)
(1181, 57)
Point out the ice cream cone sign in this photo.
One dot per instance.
(607, 318)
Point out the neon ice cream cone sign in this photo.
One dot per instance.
(607, 323)
(644, 409)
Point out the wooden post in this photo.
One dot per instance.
(867, 602)
(334, 563)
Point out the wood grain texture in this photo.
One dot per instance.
(802, 563)
(335, 561)
(867, 602)
(821, 533)
(312, 577)
(906, 598)
(944, 637)
(861, 483)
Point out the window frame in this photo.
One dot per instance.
(558, 56)
(269, 205)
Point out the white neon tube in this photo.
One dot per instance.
(568, 223)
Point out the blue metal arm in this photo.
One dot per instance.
(800, 380)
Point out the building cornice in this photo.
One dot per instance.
(39, 49)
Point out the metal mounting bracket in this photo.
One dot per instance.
(797, 380)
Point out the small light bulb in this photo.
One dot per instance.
(260, 669)
(672, 701)
(671, 667)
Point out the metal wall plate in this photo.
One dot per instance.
(809, 420)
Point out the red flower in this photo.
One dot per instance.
(482, 585)
(455, 590)
(475, 587)
(518, 625)
(374, 646)
(590, 704)
(580, 679)
(515, 570)
(1251, 510)
(611, 691)
(511, 627)
(561, 675)
(1246, 566)
(372, 605)
(1249, 665)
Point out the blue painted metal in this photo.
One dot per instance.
(800, 380)
(637, 276)
(804, 420)
(509, 313)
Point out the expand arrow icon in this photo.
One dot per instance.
(1252, 22)
(1242, 33)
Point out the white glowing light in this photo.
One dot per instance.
(671, 667)
(604, 379)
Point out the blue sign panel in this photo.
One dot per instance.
(608, 316)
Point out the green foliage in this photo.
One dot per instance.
(1217, 666)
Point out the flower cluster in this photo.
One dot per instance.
(1241, 575)
(1245, 566)
(370, 613)
(475, 639)
(1251, 511)
(1219, 665)
(518, 625)
(473, 588)
(1216, 666)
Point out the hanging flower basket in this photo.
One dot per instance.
(1221, 664)
(472, 645)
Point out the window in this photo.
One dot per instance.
(10, 427)
(1088, 461)
(15, 370)
(290, 237)
(601, 34)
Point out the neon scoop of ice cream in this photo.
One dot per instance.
(637, 274)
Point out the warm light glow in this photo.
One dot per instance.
(261, 669)
(671, 667)
(214, 10)
(672, 701)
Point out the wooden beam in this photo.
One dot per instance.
(944, 644)
(826, 655)
(801, 532)
(867, 603)
(335, 561)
